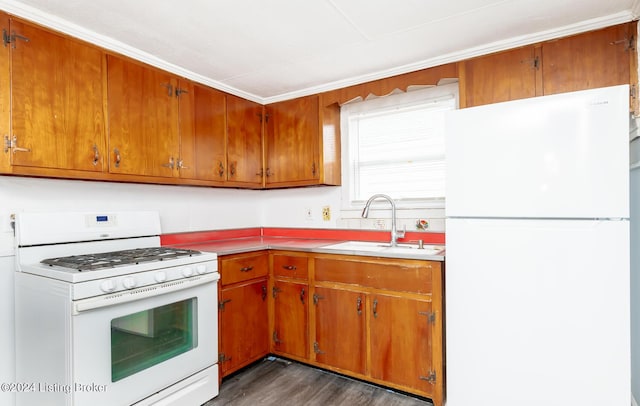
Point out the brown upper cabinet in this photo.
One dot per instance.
(244, 142)
(143, 119)
(57, 101)
(69, 109)
(301, 143)
(594, 59)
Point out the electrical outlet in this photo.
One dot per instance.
(308, 214)
(326, 213)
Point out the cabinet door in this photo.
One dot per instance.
(202, 133)
(595, 59)
(292, 141)
(143, 119)
(340, 339)
(290, 315)
(244, 141)
(401, 333)
(500, 77)
(57, 101)
(244, 327)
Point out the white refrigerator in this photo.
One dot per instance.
(537, 263)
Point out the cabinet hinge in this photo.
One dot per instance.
(431, 377)
(316, 348)
(431, 316)
(274, 291)
(276, 340)
(223, 358)
(629, 43)
(7, 143)
(11, 38)
(316, 298)
(222, 303)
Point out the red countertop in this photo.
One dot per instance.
(225, 242)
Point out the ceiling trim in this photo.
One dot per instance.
(497, 46)
(74, 30)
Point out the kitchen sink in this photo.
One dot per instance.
(409, 250)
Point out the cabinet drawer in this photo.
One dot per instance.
(242, 267)
(290, 266)
(397, 275)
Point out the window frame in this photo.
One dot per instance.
(352, 208)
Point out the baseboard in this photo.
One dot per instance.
(633, 401)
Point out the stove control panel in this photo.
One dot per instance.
(130, 281)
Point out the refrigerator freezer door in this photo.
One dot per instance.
(560, 156)
(537, 312)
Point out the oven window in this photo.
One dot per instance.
(144, 339)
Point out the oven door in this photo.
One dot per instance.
(128, 346)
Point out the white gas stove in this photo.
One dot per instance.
(120, 312)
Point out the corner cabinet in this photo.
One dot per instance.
(302, 143)
(242, 310)
(58, 99)
(381, 320)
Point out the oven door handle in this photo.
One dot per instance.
(144, 292)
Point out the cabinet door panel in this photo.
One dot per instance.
(401, 341)
(244, 141)
(143, 119)
(290, 334)
(292, 143)
(202, 133)
(500, 77)
(340, 329)
(57, 101)
(595, 59)
(243, 325)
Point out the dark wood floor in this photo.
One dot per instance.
(279, 382)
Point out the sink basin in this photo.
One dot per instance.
(408, 250)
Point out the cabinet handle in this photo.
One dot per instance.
(375, 308)
(264, 292)
(268, 173)
(359, 305)
(116, 151)
(261, 173)
(169, 88)
(220, 169)
(274, 291)
(232, 168)
(181, 165)
(246, 269)
(313, 169)
(96, 155)
(302, 295)
(180, 91)
(169, 164)
(289, 267)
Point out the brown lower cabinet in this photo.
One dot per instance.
(376, 319)
(242, 310)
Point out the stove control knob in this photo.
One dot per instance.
(201, 269)
(187, 272)
(160, 277)
(108, 286)
(129, 282)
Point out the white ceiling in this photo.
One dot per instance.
(270, 50)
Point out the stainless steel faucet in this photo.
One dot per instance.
(394, 232)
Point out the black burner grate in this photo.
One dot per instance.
(102, 260)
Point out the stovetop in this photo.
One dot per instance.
(91, 262)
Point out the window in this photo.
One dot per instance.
(395, 145)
